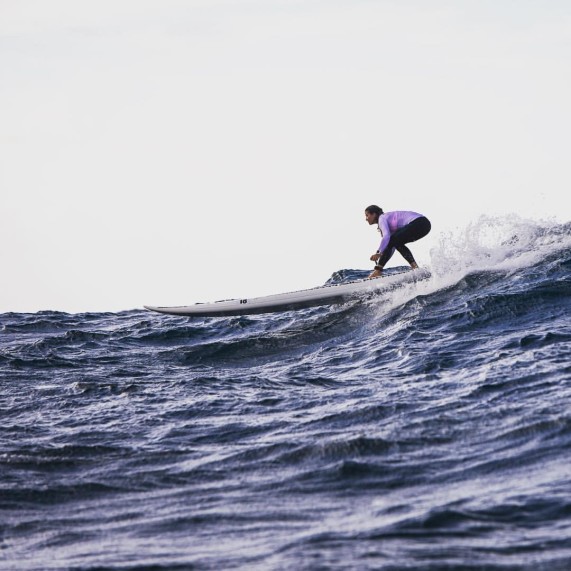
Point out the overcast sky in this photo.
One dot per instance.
(167, 152)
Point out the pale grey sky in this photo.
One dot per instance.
(167, 152)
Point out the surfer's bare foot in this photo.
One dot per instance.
(414, 266)
(375, 274)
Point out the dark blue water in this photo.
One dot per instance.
(429, 428)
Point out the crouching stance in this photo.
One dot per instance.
(397, 229)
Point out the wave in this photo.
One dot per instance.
(373, 433)
(495, 273)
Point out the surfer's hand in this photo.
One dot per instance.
(375, 257)
(375, 274)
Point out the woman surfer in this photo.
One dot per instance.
(397, 228)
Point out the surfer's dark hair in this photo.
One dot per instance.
(374, 209)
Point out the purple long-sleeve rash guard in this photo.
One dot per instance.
(389, 222)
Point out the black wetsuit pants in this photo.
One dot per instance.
(412, 232)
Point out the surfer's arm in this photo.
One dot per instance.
(386, 233)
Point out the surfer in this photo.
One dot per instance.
(397, 229)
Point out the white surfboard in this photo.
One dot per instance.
(322, 295)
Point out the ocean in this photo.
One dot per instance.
(426, 428)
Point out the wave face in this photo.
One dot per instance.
(428, 428)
